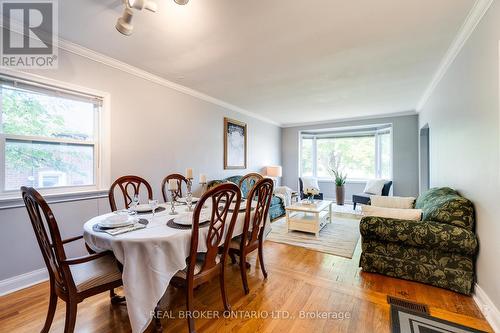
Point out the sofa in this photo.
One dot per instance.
(439, 250)
(277, 208)
(364, 198)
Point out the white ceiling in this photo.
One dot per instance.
(290, 61)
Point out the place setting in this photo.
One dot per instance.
(119, 223)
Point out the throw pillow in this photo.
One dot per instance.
(395, 213)
(392, 202)
(374, 186)
(310, 182)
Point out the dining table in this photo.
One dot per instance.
(151, 256)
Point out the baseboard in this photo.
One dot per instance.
(489, 310)
(22, 281)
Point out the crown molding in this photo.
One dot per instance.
(341, 120)
(117, 64)
(473, 18)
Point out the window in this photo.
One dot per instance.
(361, 153)
(48, 136)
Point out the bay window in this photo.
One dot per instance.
(361, 153)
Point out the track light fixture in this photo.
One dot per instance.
(124, 22)
(143, 4)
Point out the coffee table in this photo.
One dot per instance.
(307, 217)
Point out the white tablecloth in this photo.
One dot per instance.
(150, 258)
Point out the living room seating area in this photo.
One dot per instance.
(439, 250)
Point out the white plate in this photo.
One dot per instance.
(187, 218)
(118, 221)
(143, 208)
(183, 200)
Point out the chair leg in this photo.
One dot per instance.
(243, 270)
(71, 307)
(115, 298)
(354, 205)
(261, 259)
(232, 256)
(227, 307)
(157, 322)
(189, 307)
(51, 310)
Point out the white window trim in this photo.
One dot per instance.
(102, 142)
(348, 180)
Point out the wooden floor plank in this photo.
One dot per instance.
(299, 280)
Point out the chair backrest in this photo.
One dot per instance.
(247, 182)
(129, 186)
(386, 188)
(260, 196)
(50, 243)
(221, 198)
(164, 186)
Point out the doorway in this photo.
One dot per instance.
(424, 159)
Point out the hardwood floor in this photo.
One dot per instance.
(299, 280)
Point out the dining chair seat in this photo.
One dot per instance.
(95, 273)
(200, 259)
(236, 242)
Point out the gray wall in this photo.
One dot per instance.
(405, 155)
(463, 117)
(142, 143)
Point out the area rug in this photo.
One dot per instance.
(408, 321)
(338, 238)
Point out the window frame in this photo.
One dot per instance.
(350, 132)
(100, 141)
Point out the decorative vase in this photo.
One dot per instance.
(340, 194)
(310, 199)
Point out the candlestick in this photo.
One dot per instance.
(203, 178)
(172, 209)
(203, 183)
(189, 195)
(189, 173)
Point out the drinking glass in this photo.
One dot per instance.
(153, 204)
(133, 205)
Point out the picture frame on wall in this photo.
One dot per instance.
(235, 144)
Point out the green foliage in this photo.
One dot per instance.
(340, 177)
(23, 114)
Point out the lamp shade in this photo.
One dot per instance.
(273, 171)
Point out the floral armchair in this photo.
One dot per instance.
(439, 250)
(277, 208)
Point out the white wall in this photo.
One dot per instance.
(405, 155)
(463, 117)
(155, 131)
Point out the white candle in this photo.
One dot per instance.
(172, 185)
(203, 178)
(189, 173)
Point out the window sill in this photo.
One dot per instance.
(16, 201)
(348, 181)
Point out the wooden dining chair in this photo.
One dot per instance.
(164, 186)
(253, 229)
(71, 279)
(248, 181)
(202, 267)
(129, 186)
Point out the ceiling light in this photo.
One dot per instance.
(143, 4)
(181, 2)
(124, 23)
